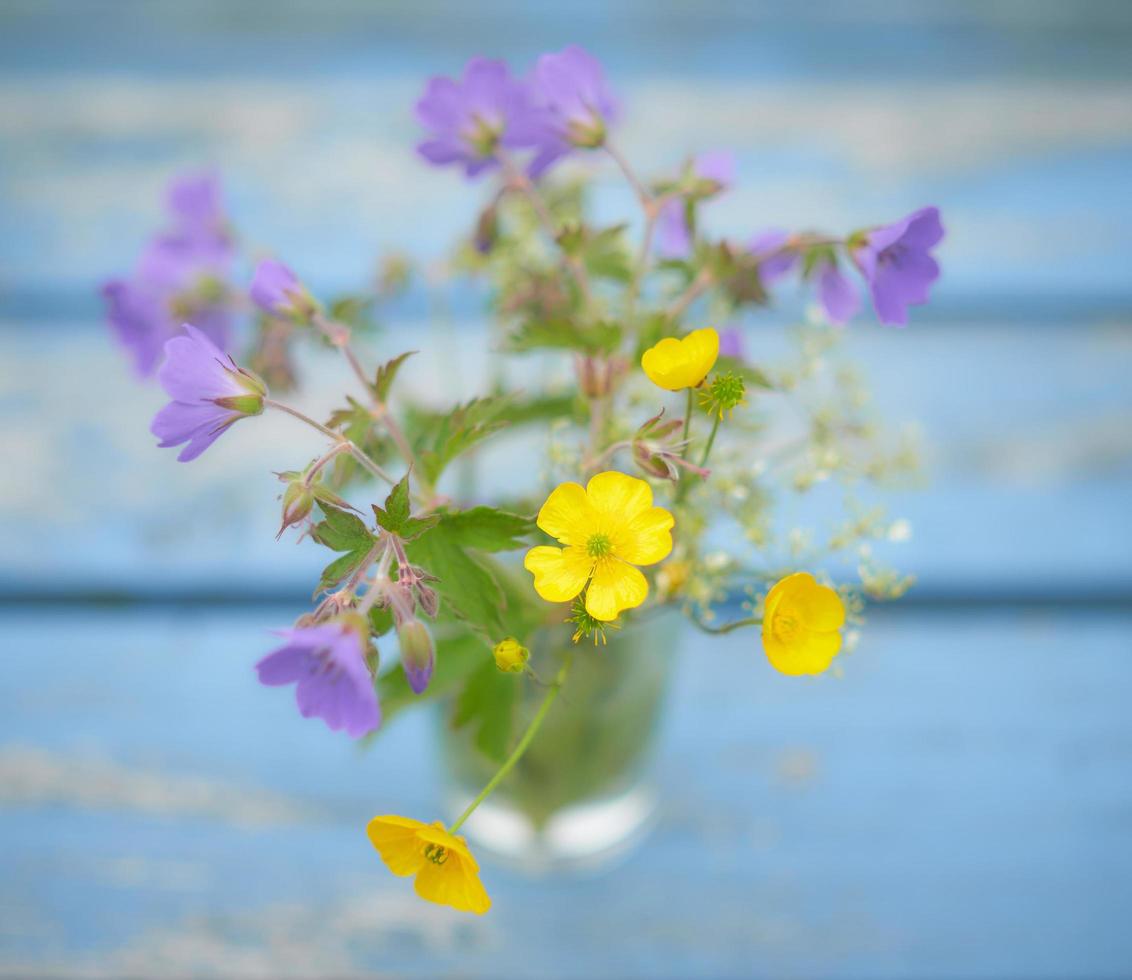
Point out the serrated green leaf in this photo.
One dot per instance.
(602, 337)
(397, 505)
(383, 380)
(414, 527)
(340, 569)
(467, 587)
(464, 427)
(486, 528)
(341, 530)
(607, 257)
(487, 706)
(458, 653)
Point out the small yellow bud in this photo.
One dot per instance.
(511, 656)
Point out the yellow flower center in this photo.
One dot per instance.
(599, 545)
(785, 628)
(436, 853)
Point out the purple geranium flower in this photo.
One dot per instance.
(182, 274)
(836, 292)
(570, 86)
(332, 681)
(896, 262)
(196, 204)
(705, 176)
(209, 391)
(471, 118)
(276, 289)
(774, 258)
(573, 105)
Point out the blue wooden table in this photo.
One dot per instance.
(955, 803)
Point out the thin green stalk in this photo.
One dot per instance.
(727, 627)
(356, 451)
(524, 743)
(710, 439)
(682, 486)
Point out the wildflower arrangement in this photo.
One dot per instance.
(671, 446)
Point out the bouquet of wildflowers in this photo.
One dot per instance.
(668, 451)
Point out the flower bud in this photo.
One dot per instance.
(298, 499)
(276, 289)
(487, 230)
(418, 655)
(511, 656)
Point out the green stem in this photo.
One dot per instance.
(710, 439)
(520, 181)
(356, 451)
(685, 479)
(728, 627)
(524, 743)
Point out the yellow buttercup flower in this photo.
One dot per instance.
(800, 625)
(674, 364)
(446, 871)
(510, 655)
(607, 527)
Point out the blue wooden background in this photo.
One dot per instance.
(957, 803)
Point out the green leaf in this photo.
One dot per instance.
(357, 424)
(397, 505)
(599, 338)
(383, 380)
(458, 653)
(353, 311)
(380, 620)
(340, 569)
(458, 431)
(607, 257)
(341, 531)
(467, 587)
(487, 705)
(486, 528)
(395, 516)
(752, 375)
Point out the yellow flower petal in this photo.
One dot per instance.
(816, 605)
(568, 514)
(618, 497)
(560, 573)
(647, 538)
(801, 619)
(456, 883)
(614, 588)
(807, 652)
(395, 839)
(674, 364)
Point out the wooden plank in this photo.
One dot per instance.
(953, 804)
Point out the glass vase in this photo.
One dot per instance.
(581, 795)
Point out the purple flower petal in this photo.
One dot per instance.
(186, 268)
(774, 260)
(468, 118)
(275, 288)
(896, 262)
(838, 295)
(570, 84)
(332, 682)
(674, 237)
